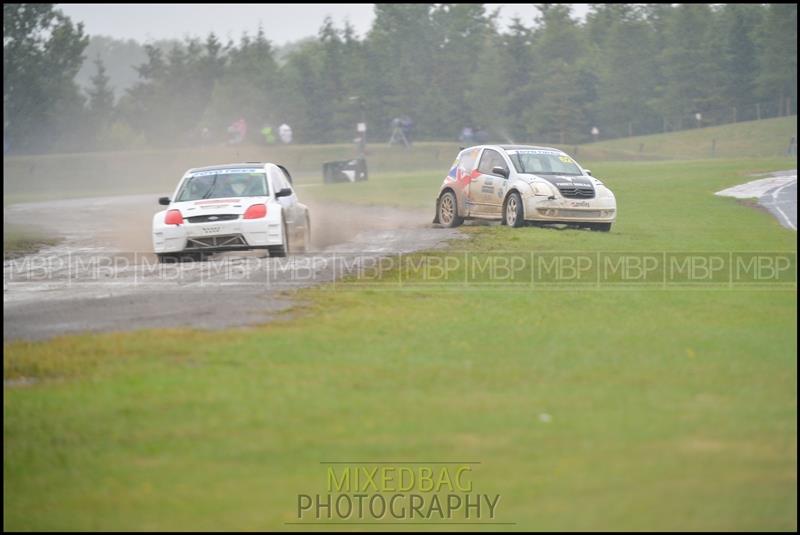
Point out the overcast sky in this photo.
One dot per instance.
(282, 22)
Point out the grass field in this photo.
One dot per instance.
(764, 138)
(614, 409)
(658, 179)
(31, 178)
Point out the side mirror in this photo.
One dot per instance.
(502, 171)
(163, 201)
(285, 192)
(588, 172)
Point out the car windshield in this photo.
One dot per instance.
(223, 183)
(544, 162)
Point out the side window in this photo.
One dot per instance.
(279, 180)
(467, 159)
(285, 182)
(500, 161)
(286, 175)
(489, 160)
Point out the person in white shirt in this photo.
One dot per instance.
(285, 133)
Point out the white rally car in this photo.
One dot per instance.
(519, 183)
(235, 207)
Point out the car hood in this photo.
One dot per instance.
(227, 205)
(562, 180)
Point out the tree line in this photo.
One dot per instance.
(625, 69)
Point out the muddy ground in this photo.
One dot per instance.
(102, 275)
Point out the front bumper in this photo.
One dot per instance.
(236, 235)
(561, 210)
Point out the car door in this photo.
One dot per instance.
(488, 189)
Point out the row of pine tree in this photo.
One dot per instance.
(624, 70)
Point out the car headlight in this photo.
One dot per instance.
(544, 188)
(603, 192)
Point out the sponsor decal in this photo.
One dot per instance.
(462, 178)
(462, 173)
(229, 172)
(536, 151)
(217, 201)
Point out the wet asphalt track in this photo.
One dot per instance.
(102, 276)
(777, 193)
(782, 202)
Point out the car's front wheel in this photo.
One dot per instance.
(513, 214)
(448, 210)
(283, 248)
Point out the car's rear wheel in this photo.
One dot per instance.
(448, 210)
(283, 248)
(513, 213)
(307, 236)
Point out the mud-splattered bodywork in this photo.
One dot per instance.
(548, 195)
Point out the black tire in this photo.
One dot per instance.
(447, 210)
(513, 212)
(600, 227)
(282, 249)
(307, 236)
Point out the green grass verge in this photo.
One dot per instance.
(764, 138)
(402, 189)
(672, 183)
(42, 177)
(669, 409)
(157, 171)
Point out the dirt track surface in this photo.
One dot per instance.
(102, 276)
